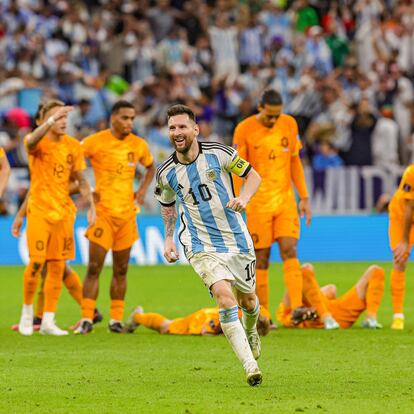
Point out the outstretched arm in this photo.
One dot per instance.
(298, 177)
(169, 217)
(251, 185)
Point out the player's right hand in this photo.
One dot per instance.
(62, 112)
(170, 251)
(16, 226)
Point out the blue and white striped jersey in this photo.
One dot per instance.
(203, 188)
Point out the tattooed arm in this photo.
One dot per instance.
(169, 217)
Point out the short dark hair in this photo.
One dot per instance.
(121, 104)
(270, 97)
(180, 109)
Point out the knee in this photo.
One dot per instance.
(225, 299)
(307, 267)
(94, 269)
(248, 302)
(331, 290)
(377, 272)
(400, 266)
(288, 252)
(121, 270)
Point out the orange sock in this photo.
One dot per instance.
(397, 290)
(74, 286)
(375, 291)
(40, 302)
(30, 281)
(117, 309)
(88, 308)
(313, 294)
(53, 284)
(293, 281)
(262, 287)
(150, 320)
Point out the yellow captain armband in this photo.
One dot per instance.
(239, 166)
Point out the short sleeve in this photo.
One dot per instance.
(146, 158)
(165, 195)
(408, 184)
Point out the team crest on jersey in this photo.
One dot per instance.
(284, 142)
(69, 159)
(407, 188)
(211, 174)
(131, 161)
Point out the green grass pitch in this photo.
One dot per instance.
(312, 371)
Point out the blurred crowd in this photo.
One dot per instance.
(344, 69)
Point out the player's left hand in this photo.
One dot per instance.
(237, 204)
(16, 226)
(304, 210)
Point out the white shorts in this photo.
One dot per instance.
(238, 268)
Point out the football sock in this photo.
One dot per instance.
(74, 286)
(31, 277)
(235, 334)
(88, 308)
(150, 320)
(53, 284)
(293, 281)
(48, 318)
(313, 294)
(397, 290)
(40, 302)
(262, 287)
(375, 291)
(117, 309)
(250, 318)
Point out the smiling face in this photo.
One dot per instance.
(182, 132)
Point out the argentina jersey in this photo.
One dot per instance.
(203, 188)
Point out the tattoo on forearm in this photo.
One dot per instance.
(169, 217)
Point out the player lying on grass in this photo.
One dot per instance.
(344, 310)
(205, 322)
(71, 278)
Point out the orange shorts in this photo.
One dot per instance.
(112, 232)
(347, 308)
(395, 233)
(50, 241)
(265, 228)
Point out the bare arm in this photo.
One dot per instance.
(36, 136)
(86, 194)
(298, 178)
(250, 186)
(4, 174)
(169, 217)
(146, 181)
(401, 252)
(21, 214)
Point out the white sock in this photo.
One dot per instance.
(235, 334)
(27, 310)
(48, 318)
(250, 318)
(398, 315)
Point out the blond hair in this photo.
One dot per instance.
(47, 106)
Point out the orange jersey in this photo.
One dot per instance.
(114, 162)
(269, 151)
(51, 165)
(405, 192)
(2, 153)
(205, 320)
